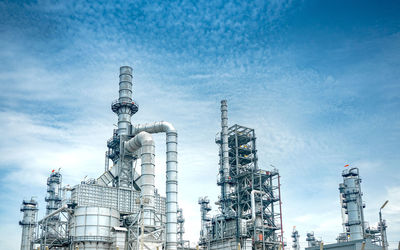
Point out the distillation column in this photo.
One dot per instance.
(295, 237)
(205, 207)
(350, 190)
(28, 223)
(53, 200)
(225, 189)
(312, 242)
(180, 229)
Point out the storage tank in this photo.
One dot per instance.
(91, 227)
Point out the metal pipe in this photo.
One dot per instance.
(280, 210)
(171, 172)
(145, 142)
(382, 227)
(53, 213)
(225, 152)
(125, 96)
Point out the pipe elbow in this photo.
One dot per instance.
(142, 138)
(156, 127)
(168, 127)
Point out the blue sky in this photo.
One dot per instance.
(318, 80)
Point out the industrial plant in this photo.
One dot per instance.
(122, 209)
(249, 202)
(356, 232)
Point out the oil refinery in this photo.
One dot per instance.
(122, 209)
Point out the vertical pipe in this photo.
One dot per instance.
(125, 96)
(171, 172)
(363, 245)
(145, 141)
(225, 152)
(280, 209)
(172, 189)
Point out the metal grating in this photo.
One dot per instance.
(123, 200)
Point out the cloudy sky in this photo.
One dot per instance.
(318, 80)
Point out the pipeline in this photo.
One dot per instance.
(145, 141)
(53, 213)
(171, 172)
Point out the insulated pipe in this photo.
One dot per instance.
(253, 204)
(171, 172)
(145, 141)
(225, 152)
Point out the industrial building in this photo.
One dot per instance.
(121, 209)
(249, 201)
(356, 232)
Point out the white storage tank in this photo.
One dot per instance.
(91, 227)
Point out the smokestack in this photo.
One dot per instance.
(124, 107)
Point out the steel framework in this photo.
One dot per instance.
(250, 202)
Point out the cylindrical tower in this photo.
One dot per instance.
(91, 227)
(28, 223)
(205, 207)
(180, 229)
(53, 197)
(352, 202)
(225, 154)
(124, 107)
(53, 200)
(295, 239)
(312, 242)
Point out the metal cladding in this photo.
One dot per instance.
(28, 223)
(93, 223)
(350, 191)
(144, 141)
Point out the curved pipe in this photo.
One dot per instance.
(172, 175)
(145, 141)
